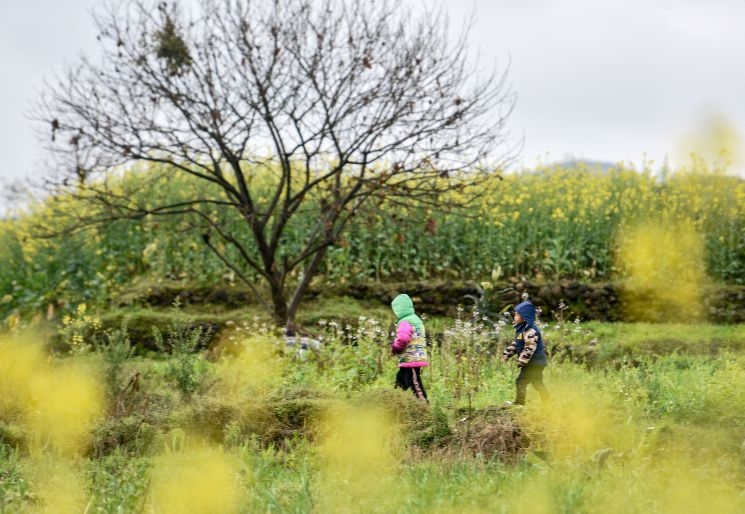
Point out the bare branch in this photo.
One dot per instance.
(275, 107)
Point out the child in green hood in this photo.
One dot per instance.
(410, 346)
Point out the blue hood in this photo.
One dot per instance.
(527, 311)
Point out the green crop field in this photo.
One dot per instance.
(546, 225)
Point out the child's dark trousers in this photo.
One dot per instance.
(411, 378)
(530, 375)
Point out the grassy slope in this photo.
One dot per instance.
(637, 427)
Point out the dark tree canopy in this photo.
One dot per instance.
(333, 103)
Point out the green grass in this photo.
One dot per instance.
(663, 425)
(607, 344)
(632, 334)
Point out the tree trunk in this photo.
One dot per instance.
(279, 303)
(308, 274)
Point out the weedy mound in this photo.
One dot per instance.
(425, 427)
(492, 433)
(12, 434)
(296, 413)
(133, 425)
(284, 416)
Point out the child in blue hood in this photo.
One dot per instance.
(530, 351)
(410, 346)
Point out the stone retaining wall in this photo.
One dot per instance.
(598, 302)
(589, 302)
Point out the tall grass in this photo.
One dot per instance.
(275, 430)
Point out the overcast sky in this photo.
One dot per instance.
(610, 80)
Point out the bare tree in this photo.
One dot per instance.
(332, 103)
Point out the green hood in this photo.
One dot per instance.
(403, 308)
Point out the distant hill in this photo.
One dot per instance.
(587, 163)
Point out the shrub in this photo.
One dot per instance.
(186, 368)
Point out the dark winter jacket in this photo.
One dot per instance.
(528, 344)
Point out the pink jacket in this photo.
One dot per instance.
(409, 346)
